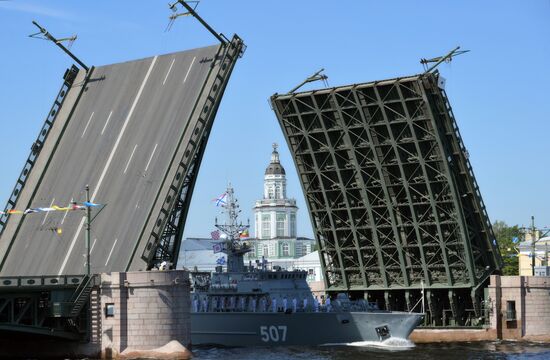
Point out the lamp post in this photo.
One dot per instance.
(533, 245)
(88, 226)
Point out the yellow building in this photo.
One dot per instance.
(542, 252)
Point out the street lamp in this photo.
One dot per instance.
(89, 221)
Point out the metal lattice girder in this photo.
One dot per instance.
(391, 194)
(44, 305)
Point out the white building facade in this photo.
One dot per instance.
(275, 220)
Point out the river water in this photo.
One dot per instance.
(474, 350)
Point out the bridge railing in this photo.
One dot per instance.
(10, 282)
(68, 80)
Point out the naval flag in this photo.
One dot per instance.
(217, 248)
(220, 200)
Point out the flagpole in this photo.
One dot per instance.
(88, 223)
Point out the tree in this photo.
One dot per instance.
(508, 249)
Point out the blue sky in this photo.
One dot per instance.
(499, 91)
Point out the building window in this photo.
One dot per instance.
(270, 191)
(272, 250)
(510, 310)
(266, 226)
(298, 250)
(292, 225)
(281, 219)
(109, 310)
(278, 193)
(286, 250)
(310, 274)
(265, 251)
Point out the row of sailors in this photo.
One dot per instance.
(263, 304)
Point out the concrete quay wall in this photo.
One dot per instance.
(423, 336)
(520, 307)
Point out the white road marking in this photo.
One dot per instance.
(151, 157)
(72, 246)
(111, 252)
(92, 248)
(88, 123)
(130, 159)
(66, 212)
(96, 189)
(46, 216)
(170, 68)
(189, 70)
(106, 122)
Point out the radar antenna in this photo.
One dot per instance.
(315, 77)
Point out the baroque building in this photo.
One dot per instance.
(275, 220)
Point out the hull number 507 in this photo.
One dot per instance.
(273, 333)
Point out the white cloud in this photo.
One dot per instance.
(34, 9)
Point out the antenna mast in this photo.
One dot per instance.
(58, 42)
(191, 11)
(315, 77)
(438, 60)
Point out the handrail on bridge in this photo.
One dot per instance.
(10, 282)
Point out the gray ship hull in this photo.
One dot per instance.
(301, 328)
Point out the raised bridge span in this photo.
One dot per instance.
(135, 132)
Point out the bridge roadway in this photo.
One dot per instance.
(120, 140)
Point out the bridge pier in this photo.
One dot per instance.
(129, 313)
(149, 309)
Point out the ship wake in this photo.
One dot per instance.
(392, 343)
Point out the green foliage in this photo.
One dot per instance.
(508, 250)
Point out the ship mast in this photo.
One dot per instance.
(234, 248)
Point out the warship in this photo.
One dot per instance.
(262, 305)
